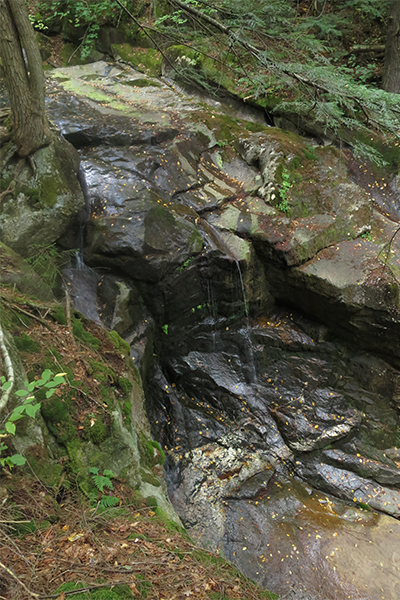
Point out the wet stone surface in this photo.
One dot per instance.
(281, 425)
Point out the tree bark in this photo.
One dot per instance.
(391, 74)
(24, 77)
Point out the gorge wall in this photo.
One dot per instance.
(256, 280)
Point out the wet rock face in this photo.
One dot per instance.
(282, 424)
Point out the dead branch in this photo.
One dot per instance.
(21, 583)
(9, 190)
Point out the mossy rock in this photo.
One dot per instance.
(46, 470)
(147, 60)
(85, 336)
(102, 372)
(125, 385)
(119, 343)
(94, 429)
(151, 453)
(58, 420)
(149, 477)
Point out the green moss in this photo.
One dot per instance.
(151, 502)
(150, 451)
(102, 372)
(70, 57)
(126, 411)
(145, 59)
(149, 477)
(97, 432)
(58, 420)
(76, 464)
(125, 385)
(119, 343)
(25, 343)
(45, 470)
(117, 592)
(169, 524)
(50, 188)
(58, 314)
(255, 127)
(85, 336)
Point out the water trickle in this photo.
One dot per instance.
(213, 308)
(82, 280)
(245, 305)
(246, 331)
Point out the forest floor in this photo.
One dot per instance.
(56, 542)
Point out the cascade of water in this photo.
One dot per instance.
(83, 281)
(246, 308)
(247, 330)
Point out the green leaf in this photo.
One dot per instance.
(21, 393)
(31, 386)
(31, 410)
(50, 384)
(93, 471)
(108, 473)
(49, 393)
(108, 501)
(6, 385)
(46, 374)
(17, 459)
(15, 416)
(10, 427)
(29, 399)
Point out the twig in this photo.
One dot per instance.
(9, 190)
(389, 248)
(28, 314)
(28, 591)
(15, 521)
(67, 307)
(94, 586)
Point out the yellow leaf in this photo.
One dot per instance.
(74, 537)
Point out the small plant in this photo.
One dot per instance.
(200, 307)
(27, 408)
(284, 206)
(165, 329)
(101, 482)
(187, 262)
(367, 236)
(285, 186)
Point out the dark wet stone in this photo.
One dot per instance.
(247, 396)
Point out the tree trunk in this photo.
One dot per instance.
(24, 76)
(391, 74)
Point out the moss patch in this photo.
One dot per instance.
(144, 59)
(55, 413)
(85, 336)
(25, 343)
(117, 592)
(119, 343)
